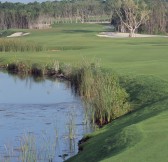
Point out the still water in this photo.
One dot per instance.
(45, 114)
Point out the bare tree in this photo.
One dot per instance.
(131, 13)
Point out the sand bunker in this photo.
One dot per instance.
(125, 35)
(18, 34)
(55, 50)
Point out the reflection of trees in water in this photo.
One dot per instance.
(29, 79)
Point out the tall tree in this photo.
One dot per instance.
(131, 13)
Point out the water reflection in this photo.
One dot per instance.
(43, 112)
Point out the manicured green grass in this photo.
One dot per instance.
(70, 43)
(140, 136)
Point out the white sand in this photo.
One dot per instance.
(125, 35)
(18, 34)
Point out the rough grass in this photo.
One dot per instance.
(139, 136)
(16, 45)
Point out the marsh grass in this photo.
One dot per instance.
(71, 125)
(102, 92)
(32, 148)
(28, 148)
(66, 70)
(52, 68)
(19, 68)
(48, 148)
(31, 151)
(35, 69)
(9, 152)
(16, 45)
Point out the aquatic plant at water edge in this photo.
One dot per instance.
(29, 150)
(71, 125)
(19, 67)
(102, 92)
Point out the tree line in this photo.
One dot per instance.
(150, 16)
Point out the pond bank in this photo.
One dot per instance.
(100, 90)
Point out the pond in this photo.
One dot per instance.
(39, 119)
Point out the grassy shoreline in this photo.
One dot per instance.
(101, 91)
(148, 97)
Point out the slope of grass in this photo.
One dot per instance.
(139, 136)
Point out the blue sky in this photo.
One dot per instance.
(23, 1)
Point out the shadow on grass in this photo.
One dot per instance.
(78, 31)
(147, 43)
(62, 48)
